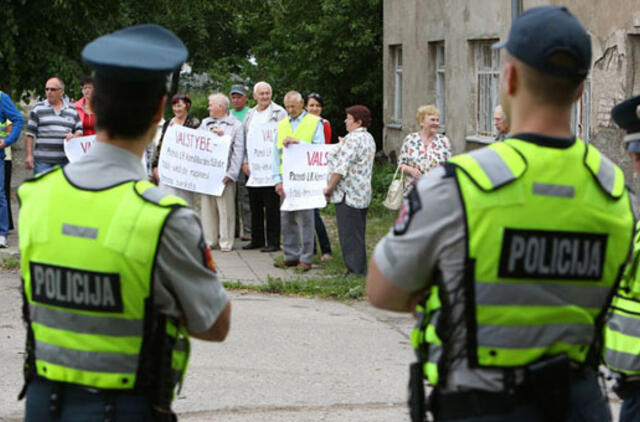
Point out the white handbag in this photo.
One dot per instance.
(393, 200)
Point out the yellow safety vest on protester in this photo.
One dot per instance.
(87, 270)
(622, 329)
(548, 233)
(304, 132)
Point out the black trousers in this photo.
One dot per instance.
(352, 223)
(264, 201)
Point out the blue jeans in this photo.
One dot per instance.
(586, 404)
(4, 210)
(80, 405)
(39, 167)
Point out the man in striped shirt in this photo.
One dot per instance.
(51, 123)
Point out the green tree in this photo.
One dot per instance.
(333, 47)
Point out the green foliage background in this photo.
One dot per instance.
(333, 47)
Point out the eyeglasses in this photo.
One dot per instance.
(315, 96)
(52, 89)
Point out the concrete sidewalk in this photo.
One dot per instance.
(286, 359)
(249, 267)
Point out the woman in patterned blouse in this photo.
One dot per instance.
(349, 187)
(425, 150)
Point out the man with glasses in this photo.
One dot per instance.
(51, 123)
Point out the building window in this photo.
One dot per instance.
(487, 84)
(440, 75)
(396, 57)
(581, 113)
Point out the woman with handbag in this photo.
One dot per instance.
(425, 150)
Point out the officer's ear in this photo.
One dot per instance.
(157, 116)
(579, 94)
(511, 77)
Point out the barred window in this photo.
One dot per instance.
(440, 83)
(581, 113)
(396, 57)
(487, 84)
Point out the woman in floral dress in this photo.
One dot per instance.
(349, 186)
(425, 150)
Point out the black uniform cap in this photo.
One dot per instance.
(136, 53)
(627, 116)
(540, 32)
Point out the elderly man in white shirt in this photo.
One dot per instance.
(218, 213)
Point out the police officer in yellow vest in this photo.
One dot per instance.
(298, 230)
(511, 252)
(622, 330)
(116, 273)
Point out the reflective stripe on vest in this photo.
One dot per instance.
(424, 337)
(622, 328)
(304, 132)
(87, 262)
(547, 237)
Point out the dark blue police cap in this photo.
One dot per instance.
(542, 31)
(136, 53)
(627, 116)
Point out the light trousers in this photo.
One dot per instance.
(298, 235)
(218, 215)
(187, 195)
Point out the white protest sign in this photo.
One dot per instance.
(304, 176)
(194, 160)
(75, 148)
(260, 140)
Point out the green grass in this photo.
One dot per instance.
(331, 282)
(341, 288)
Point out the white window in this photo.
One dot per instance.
(487, 84)
(396, 57)
(581, 113)
(440, 90)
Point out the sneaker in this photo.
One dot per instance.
(3, 242)
(225, 249)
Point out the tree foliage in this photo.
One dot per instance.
(332, 47)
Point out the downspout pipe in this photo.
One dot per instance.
(516, 9)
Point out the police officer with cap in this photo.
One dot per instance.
(116, 274)
(622, 330)
(508, 255)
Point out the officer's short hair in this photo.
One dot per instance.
(125, 108)
(548, 88)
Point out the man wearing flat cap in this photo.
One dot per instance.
(622, 329)
(116, 274)
(509, 254)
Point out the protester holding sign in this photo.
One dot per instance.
(218, 213)
(351, 166)
(259, 128)
(298, 233)
(180, 103)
